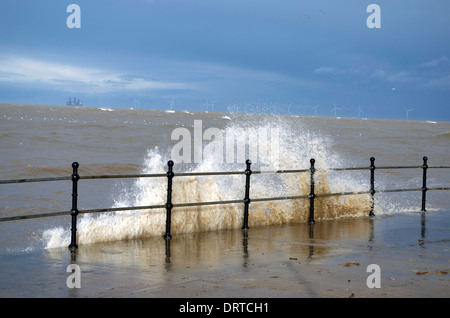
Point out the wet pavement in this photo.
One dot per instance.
(411, 253)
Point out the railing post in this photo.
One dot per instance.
(74, 211)
(169, 204)
(372, 184)
(424, 183)
(312, 195)
(248, 173)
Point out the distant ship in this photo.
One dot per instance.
(74, 102)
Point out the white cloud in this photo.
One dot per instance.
(403, 77)
(172, 75)
(441, 83)
(208, 74)
(417, 77)
(352, 70)
(74, 78)
(324, 69)
(379, 73)
(435, 62)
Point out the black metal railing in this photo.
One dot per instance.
(75, 177)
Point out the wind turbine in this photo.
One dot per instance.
(212, 105)
(315, 109)
(172, 103)
(407, 112)
(289, 108)
(360, 111)
(208, 105)
(335, 108)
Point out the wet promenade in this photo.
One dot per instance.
(328, 259)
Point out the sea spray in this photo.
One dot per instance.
(297, 146)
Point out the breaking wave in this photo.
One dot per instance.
(294, 147)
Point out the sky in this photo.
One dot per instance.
(302, 57)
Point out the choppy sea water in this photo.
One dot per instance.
(43, 141)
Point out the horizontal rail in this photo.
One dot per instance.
(33, 216)
(398, 167)
(36, 180)
(318, 195)
(294, 197)
(183, 205)
(398, 190)
(123, 176)
(280, 171)
(387, 167)
(162, 206)
(187, 174)
(434, 189)
(347, 169)
(148, 207)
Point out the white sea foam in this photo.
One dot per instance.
(297, 146)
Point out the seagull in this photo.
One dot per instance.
(323, 12)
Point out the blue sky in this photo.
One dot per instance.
(300, 57)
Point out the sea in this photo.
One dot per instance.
(40, 141)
